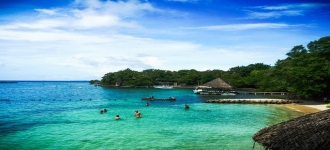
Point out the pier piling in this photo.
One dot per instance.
(253, 101)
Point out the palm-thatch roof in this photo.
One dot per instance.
(307, 132)
(218, 83)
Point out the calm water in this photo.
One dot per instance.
(65, 115)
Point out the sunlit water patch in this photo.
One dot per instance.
(66, 115)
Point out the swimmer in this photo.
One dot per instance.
(105, 110)
(117, 117)
(186, 106)
(137, 114)
(101, 111)
(147, 104)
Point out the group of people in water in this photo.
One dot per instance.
(117, 117)
(137, 113)
(103, 111)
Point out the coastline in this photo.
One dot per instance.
(303, 106)
(307, 107)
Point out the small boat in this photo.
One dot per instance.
(210, 91)
(200, 89)
(151, 99)
(197, 91)
(163, 87)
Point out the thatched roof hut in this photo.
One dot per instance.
(307, 132)
(218, 83)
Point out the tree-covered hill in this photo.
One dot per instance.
(305, 72)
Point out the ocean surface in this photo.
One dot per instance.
(66, 115)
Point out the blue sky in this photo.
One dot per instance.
(84, 39)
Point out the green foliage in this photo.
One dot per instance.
(297, 51)
(209, 75)
(188, 77)
(328, 105)
(154, 76)
(94, 81)
(241, 76)
(237, 76)
(305, 72)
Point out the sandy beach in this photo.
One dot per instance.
(308, 107)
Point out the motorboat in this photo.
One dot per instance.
(163, 87)
(210, 91)
(197, 90)
(200, 89)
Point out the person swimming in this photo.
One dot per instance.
(117, 117)
(186, 106)
(137, 114)
(147, 104)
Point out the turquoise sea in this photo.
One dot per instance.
(66, 115)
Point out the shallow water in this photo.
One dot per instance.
(65, 115)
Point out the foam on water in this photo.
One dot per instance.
(65, 115)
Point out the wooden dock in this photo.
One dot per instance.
(263, 93)
(253, 101)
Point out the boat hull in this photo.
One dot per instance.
(216, 93)
(213, 92)
(163, 87)
(151, 99)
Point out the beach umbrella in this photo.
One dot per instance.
(308, 132)
(218, 83)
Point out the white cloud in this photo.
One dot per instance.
(37, 24)
(90, 19)
(265, 12)
(85, 41)
(79, 59)
(48, 36)
(92, 52)
(88, 14)
(151, 61)
(306, 5)
(47, 11)
(238, 27)
(299, 6)
(274, 14)
(130, 8)
(274, 7)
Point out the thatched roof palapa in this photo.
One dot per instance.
(218, 83)
(307, 132)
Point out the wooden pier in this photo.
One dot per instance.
(253, 101)
(263, 93)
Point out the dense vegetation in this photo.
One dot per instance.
(305, 72)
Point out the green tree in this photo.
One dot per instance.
(305, 72)
(108, 79)
(297, 51)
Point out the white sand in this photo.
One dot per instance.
(317, 105)
(308, 106)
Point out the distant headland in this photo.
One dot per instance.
(3, 82)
